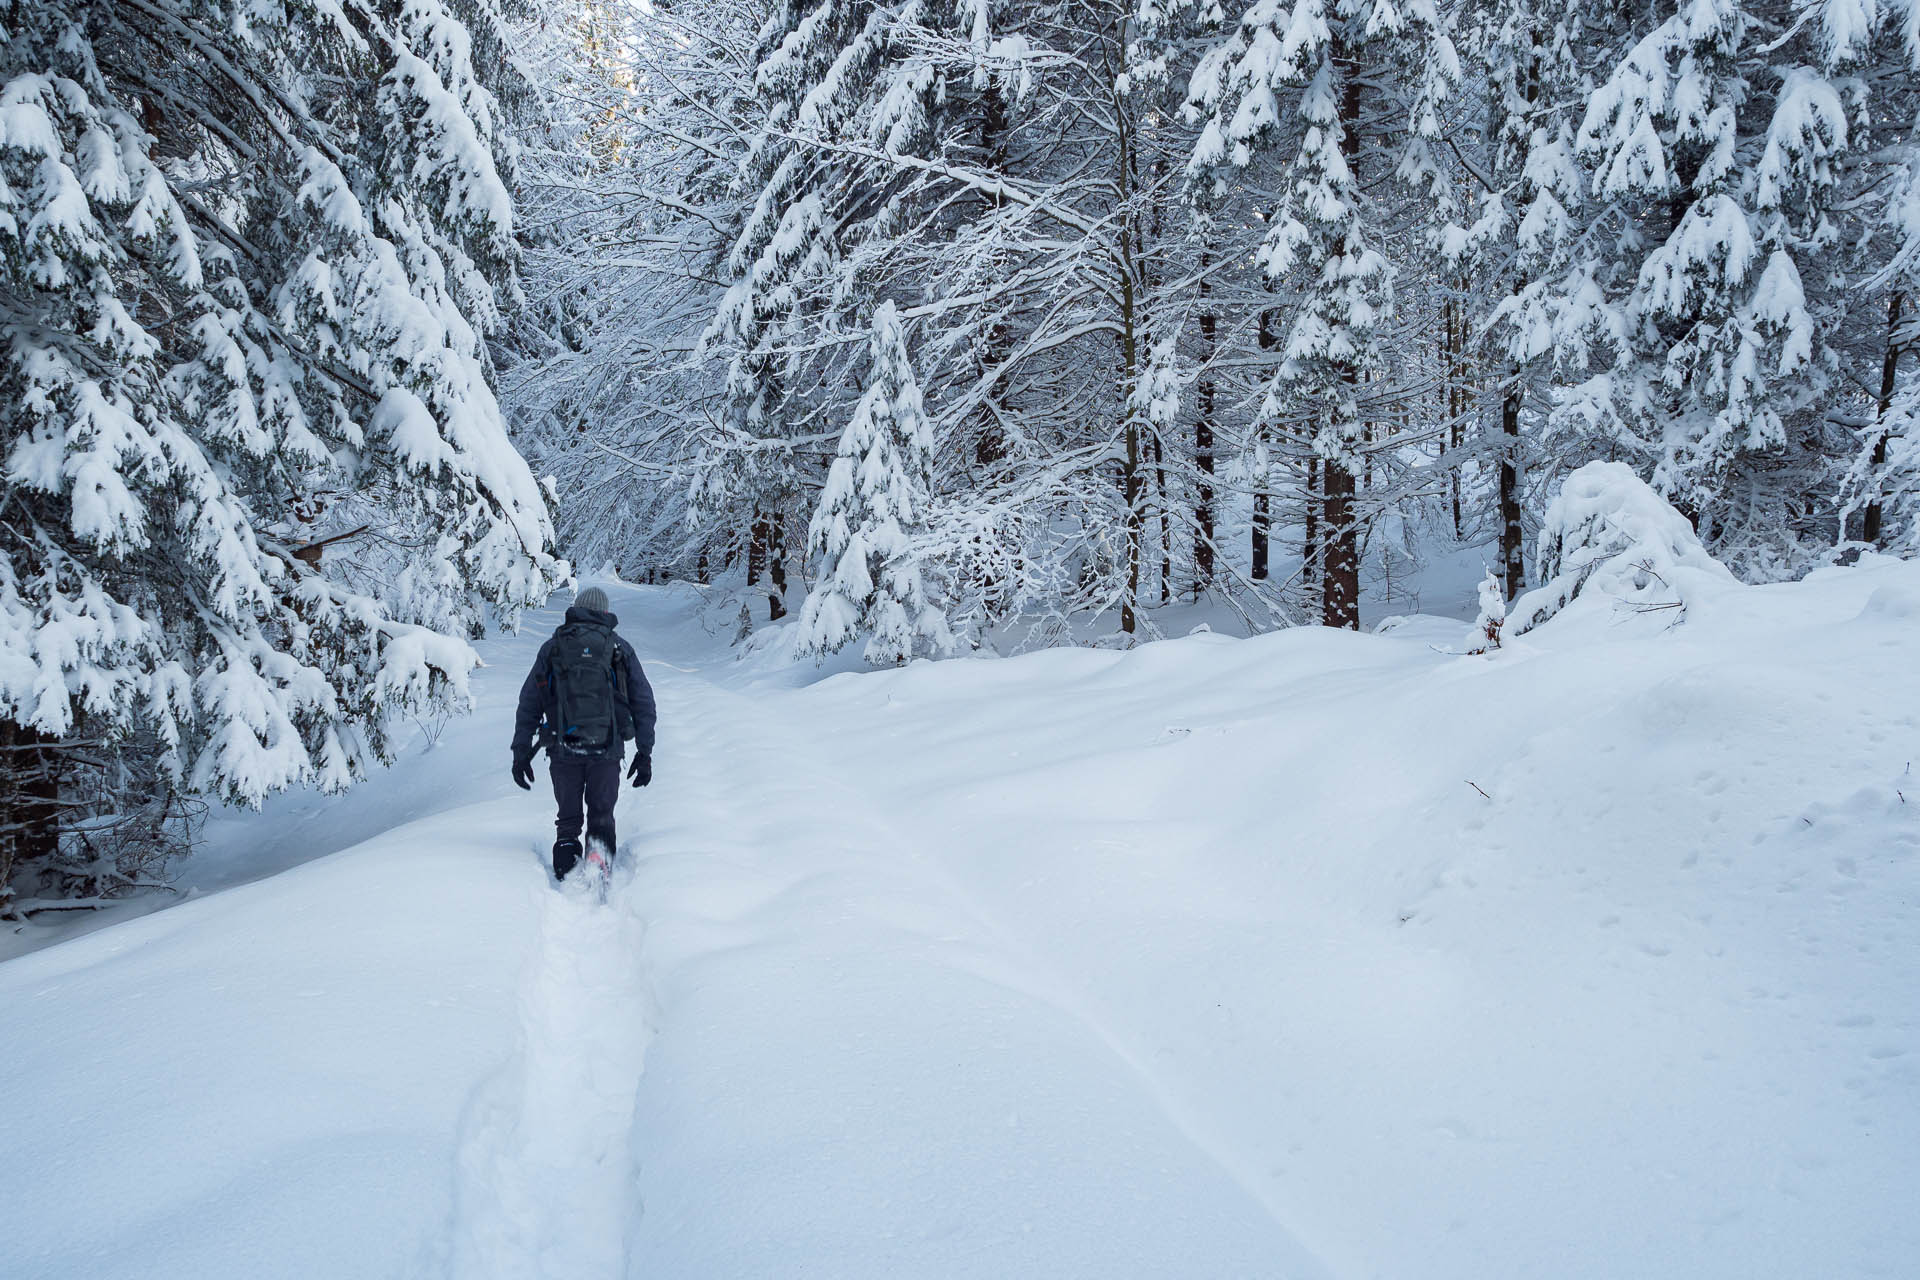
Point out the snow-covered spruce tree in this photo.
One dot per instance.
(1525, 234)
(1300, 81)
(874, 506)
(839, 95)
(1881, 491)
(247, 259)
(1485, 636)
(1706, 310)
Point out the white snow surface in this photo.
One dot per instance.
(1315, 954)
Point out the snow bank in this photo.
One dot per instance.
(267, 1081)
(1604, 962)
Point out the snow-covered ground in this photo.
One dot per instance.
(1315, 954)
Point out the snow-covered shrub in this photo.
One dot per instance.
(1487, 627)
(1609, 534)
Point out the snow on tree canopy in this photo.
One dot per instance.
(1725, 144)
(259, 493)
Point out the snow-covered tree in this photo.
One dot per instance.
(1706, 313)
(872, 512)
(1881, 491)
(1488, 624)
(1609, 539)
(624, 205)
(1402, 303)
(844, 93)
(1526, 228)
(1299, 78)
(248, 257)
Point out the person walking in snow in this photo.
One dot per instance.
(586, 697)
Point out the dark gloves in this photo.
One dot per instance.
(640, 772)
(523, 767)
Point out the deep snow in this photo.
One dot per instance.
(1312, 954)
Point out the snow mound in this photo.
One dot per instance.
(1609, 537)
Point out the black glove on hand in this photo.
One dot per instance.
(523, 768)
(641, 770)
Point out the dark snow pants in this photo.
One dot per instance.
(595, 780)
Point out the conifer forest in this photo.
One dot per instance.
(938, 324)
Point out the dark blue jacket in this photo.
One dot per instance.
(537, 711)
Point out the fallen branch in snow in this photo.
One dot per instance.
(1476, 787)
(24, 907)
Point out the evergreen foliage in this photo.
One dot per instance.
(258, 490)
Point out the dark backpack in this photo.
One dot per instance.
(589, 690)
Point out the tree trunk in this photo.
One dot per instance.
(1203, 444)
(1513, 554)
(1454, 359)
(1132, 483)
(765, 555)
(1340, 565)
(1310, 543)
(1340, 599)
(990, 445)
(756, 549)
(1261, 521)
(1166, 519)
(1889, 379)
(777, 567)
(1130, 488)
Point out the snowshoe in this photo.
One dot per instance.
(566, 853)
(599, 861)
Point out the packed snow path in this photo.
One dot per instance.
(546, 1169)
(864, 1040)
(1313, 955)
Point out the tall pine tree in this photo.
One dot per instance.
(1301, 79)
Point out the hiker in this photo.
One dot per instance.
(588, 698)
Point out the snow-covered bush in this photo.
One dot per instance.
(1492, 619)
(1608, 534)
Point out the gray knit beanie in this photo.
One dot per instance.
(591, 598)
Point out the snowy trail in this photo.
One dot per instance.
(546, 1167)
(753, 860)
